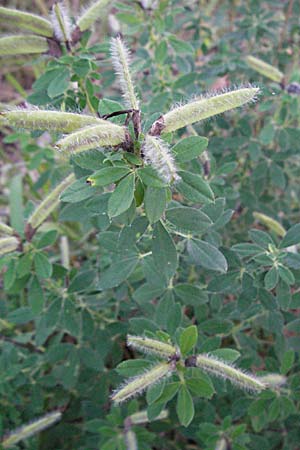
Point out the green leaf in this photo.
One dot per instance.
(271, 278)
(287, 361)
(161, 52)
(190, 294)
(292, 237)
(107, 106)
(206, 255)
(169, 391)
(194, 188)
(59, 84)
(200, 387)
(82, 281)
(131, 367)
(42, 265)
(189, 148)
(118, 271)
(155, 203)
(181, 46)
(227, 354)
(185, 406)
(35, 296)
(108, 175)
(188, 219)
(188, 339)
(164, 251)
(47, 239)
(122, 197)
(247, 249)
(77, 192)
(286, 275)
(150, 177)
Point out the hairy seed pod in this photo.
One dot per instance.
(49, 204)
(153, 346)
(120, 56)
(273, 380)
(61, 22)
(158, 155)
(106, 135)
(91, 14)
(222, 444)
(25, 20)
(224, 370)
(270, 223)
(31, 429)
(138, 384)
(130, 440)
(8, 245)
(23, 44)
(5, 229)
(142, 417)
(36, 119)
(264, 69)
(205, 107)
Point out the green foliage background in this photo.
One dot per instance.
(192, 254)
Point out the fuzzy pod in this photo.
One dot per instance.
(8, 245)
(270, 223)
(226, 371)
(120, 56)
(130, 440)
(142, 417)
(222, 444)
(205, 107)
(48, 205)
(106, 135)
(152, 346)
(273, 380)
(5, 229)
(61, 22)
(265, 69)
(91, 14)
(27, 21)
(35, 119)
(31, 429)
(23, 44)
(158, 155)
(138, 384)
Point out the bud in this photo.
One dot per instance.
(147, 345)
(23, 44)
(142, 417)
(138, 384)
(25, 20)
(35, 119)
(8, 245)
(48, 205)
(61, 22)
(5, 229)
(31, 429)
(106, 135)
(206, 106)
(120, 55)
(224, 370)
(270, 223)
(158, 155)
(91, 14)
(264, 69)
